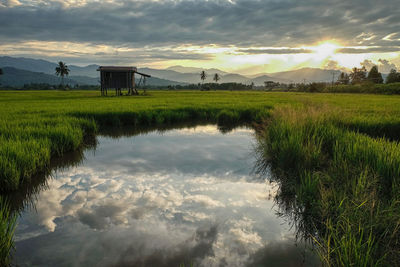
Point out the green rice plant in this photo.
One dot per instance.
(227, 117)
(7, 228)
(345, 181)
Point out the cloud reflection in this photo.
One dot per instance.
(112, 213)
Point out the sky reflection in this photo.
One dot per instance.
(184, 196)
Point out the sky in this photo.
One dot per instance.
(243, 36)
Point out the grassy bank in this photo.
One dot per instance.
(340, 184)
(337, 154)
(35, 126)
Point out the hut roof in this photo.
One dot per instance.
(117, 69)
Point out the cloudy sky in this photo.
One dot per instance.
(248, 36)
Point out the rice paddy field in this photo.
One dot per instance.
(336, 157)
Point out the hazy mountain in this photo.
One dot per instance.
(194, 78)
(90, 70)
(173, 75)
(17, 77)
(183, 69)
(234, 78)
(307, 74)
(154, 81)
(39, 65)
(36, 65)
(20, 71)
(84, 80)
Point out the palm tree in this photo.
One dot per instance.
(203, 75)
(216, 77)
(62, 70)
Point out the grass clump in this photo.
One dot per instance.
(341, 183)
(7, 228)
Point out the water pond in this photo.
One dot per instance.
(183, 197)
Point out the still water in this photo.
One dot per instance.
(183, 196)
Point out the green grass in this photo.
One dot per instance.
(336, 156)
(343, 183)
(7, 227)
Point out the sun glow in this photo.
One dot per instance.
(325, 50)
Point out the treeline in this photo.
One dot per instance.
(46, 86)
(358, 81)
(366, 88)
(202, 87)
(211, 86)
(360, 75)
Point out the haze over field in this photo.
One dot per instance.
(235, 36)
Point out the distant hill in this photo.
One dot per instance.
(35, 65)
(233, 78)
(183, 69)
(307, 74)
(175, 75)
(154, 81)
(172, 75)
(194, 78)
(40, 65)
(17, 77)
(20, 71)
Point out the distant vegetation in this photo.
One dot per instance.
(365, 88)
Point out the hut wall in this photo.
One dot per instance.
(118, 79)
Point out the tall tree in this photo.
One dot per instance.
(358, 75)
(203, 76)
(62, 70)
(216, 77)
(343, 78)
(374, 75)
(393, 76)
(1, 72)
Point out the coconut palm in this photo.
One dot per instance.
(216, 77)
(203, 75)
(62, 70)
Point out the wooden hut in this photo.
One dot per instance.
(118, 78)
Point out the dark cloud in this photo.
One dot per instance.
(381, 49)
(275, 51)
(242, 23)
(187, 253)
(101, 217)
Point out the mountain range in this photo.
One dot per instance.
(20, 71)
